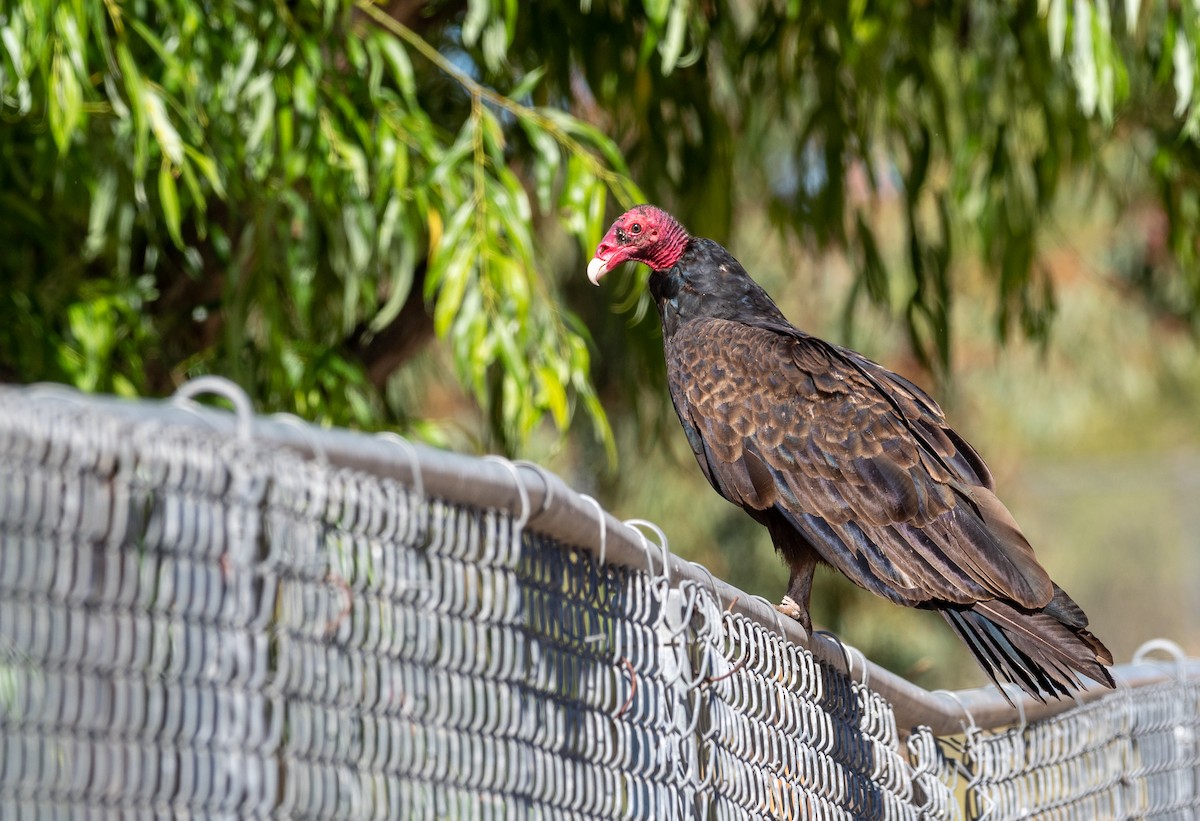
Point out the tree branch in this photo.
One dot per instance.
(385, 352)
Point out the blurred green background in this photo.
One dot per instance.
(378, 216)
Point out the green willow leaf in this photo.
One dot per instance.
(66, 103)
(168, 198)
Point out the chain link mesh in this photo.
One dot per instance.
(1134, 754)
(194, 625)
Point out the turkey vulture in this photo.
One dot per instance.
(847, 463)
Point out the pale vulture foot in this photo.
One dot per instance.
(789, 608)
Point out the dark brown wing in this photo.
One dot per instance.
(858, 460)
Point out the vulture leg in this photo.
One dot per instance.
(800, 557)
(795, 603)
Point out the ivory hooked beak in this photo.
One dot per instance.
(596, 268)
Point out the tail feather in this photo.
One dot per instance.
(1043, 651)
(994, 652)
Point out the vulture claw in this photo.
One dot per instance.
(789, 608)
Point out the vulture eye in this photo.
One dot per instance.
(636, 228)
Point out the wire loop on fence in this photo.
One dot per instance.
(296, 423)
(659, 582)
(545, 476)
(522, 490)
(1165, 646)
(637, 524)
(1018, 701)
(969, 726)
(774, 612)
(866, 667)
(845, 648)
(414, 459)
(712, 582)
(226, 389)
(603, 527)
(418, 509)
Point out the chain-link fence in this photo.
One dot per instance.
(245, 618)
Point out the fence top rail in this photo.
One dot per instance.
(547, 504)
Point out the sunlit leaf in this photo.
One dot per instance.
(553, 395)
(1185, 67)
(494, 45)
(478, 13)
(195, 192)
(304, 90)
(1083, 58)
(1056, 22)
(527, 83)
(455, 277)
(656, 11)
(1132, 9)
(208, 167)
(169, 141)
(155, 42)
(671, 46)
(168, 196)
(66, 103)
(262, 92)
(401, 67)
(247, 57)
(12, 46)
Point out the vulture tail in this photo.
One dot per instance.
(1043, 651)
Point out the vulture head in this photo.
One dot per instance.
(642, 234)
